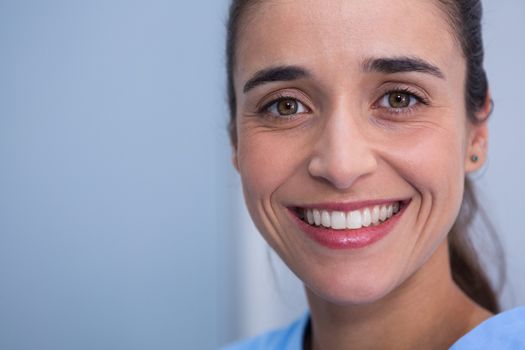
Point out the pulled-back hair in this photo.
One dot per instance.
(464, 17)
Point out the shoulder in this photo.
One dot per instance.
(503, 331)
(286, 338)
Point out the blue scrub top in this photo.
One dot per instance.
(505, 331)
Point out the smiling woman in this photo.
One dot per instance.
(354, 126)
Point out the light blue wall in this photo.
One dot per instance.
(114, 168)
(502, 180)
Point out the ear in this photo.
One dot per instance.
(476, 154)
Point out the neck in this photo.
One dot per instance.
(428, 311)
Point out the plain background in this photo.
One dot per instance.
(114, 194)
(121, 221)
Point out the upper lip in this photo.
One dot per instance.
(349, 206)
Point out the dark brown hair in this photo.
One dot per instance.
(465, 20)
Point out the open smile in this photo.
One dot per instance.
(356, 225)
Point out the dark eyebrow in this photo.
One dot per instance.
(400, 65)
(280, 73)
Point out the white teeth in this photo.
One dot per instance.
(367, 218)
(382, 213)
(325, 218)
(338, 220)
(375, 215)
(389, 211)
(354, 219)
(310, 217)
(317, 217)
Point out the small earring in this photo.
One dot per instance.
(474, 158)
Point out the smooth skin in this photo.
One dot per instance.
(347, 141)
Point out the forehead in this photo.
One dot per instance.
(343, 33)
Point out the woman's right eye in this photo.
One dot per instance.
(285, 107)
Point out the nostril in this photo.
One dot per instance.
(315, 167)
(342, 172)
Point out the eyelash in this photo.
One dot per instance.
(395, 111)
(403, 90)
(265, 108)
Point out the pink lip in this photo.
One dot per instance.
(348, 239)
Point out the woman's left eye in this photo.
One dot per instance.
(285, 106)
(398, 100)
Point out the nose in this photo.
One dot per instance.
(342, 153)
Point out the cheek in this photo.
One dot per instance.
(433, 166)
(266, 162)
(258, 169)
(431, 159)
(264, 165)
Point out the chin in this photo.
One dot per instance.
(351, 291)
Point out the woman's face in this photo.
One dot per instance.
(351, 116)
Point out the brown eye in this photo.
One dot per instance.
(287, 107)
(399, 100)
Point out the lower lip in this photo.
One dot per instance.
(348, 239)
